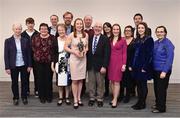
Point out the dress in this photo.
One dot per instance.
(78, 65)
(61, 67)
(117, 60)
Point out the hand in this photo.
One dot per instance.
(162, 75)
(143, 71)
(52, 67)
(123, 68)
(77, 53)
(103, 70)
(8, 71)
(130, 69)
(29, 69)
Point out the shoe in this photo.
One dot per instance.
(80, 103)
(100, 103)
(67, 101)
(139, 107)
(154, 107)
(110, 103)
(137, 104)
(42, 101)
(49, 100)
(60, 101)
(157, 111)
(75, 105)
(36, 94)
(126, 100)
(120, 99)
(91, 103)
(16, 102)
(25, 101)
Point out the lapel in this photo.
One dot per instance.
(99, 43)
(14, 43)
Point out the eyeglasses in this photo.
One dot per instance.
(159, 31)
(127, 30)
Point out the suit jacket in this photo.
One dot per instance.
(49, 30)
(101, 56)
(10, 51)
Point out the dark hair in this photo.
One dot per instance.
(30, 20)
(119, 36)
(146, 29)
(61, 25)
(132, 30)
(43, 24)
(55, 16)
(165, 30)
(82, 31)
(66, 13)
(138, 14)
(108, 25)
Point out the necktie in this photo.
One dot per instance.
(94, 45)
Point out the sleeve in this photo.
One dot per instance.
(6, 55)
(29, 52)
(170, 57)
(124, 52)
(107, 52)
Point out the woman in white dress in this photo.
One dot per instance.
(60, 64)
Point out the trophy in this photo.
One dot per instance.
(80, 46)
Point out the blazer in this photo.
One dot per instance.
(101, 56)
(49, 30)
(10, 52)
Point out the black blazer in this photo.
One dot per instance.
(101, 56)
(10, 52)
(49, 30)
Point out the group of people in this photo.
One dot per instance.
(97, 53)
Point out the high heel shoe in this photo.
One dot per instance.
(80, 103)
(75, 105)
(60, 101)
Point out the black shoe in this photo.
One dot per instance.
(42, 101)
(25, 101)
(36, 94)
(60, 101)
(154, 107)
(80, 103)
(67, 101)
(91, 103)
(126, 99)
(137, 104)
(158, 111)
(49, 100)
(99, 103)
(16, 102)
(139, 107)
(110, 103)
(75, 105)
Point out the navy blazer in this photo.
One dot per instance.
(10, 52)
(101, 56)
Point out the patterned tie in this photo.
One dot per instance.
(94, 45)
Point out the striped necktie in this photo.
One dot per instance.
(94, 45)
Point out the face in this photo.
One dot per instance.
(17, 29)
(160, 33)
(43, 30)
(137, 20)
(54, 20)
(128, 32)
(61, 31)
(107, 29)
(141, 30)
(88, 21)
(79, 25)
(97, 28)
(116, 31)
(30, 26)
(67, 19)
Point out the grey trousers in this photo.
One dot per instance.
(96, 83)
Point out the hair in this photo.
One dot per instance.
(43, 24)
(146, 29)
(132, 30)
(108, 25)
(165, 30)
(119, 36)
(82, 31)
(55, 16)
(66, 13)
(61, 25)
(138, 14)
(30, 20)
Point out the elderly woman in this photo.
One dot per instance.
(17, 57)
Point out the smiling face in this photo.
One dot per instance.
(44, 30)
(116, 30)
(128, 32)
(54, 20)
(97, 28)
(30, 26)
(107, 29)
(61, 31)
(79, 25)
(88, 21)
(137, 19)
(160, 33)
(141, 30)
(17, 29)
(67, 19)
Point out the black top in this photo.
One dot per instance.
(130, 53)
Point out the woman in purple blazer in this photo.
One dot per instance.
(17, 57)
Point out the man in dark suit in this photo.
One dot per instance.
(17, 57)
(54, 21)
(68, 17)
(97, 62)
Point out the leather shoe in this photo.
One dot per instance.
(157, 111)
(16, 102)
(25, 101)
(91, 103)
(99, 103)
